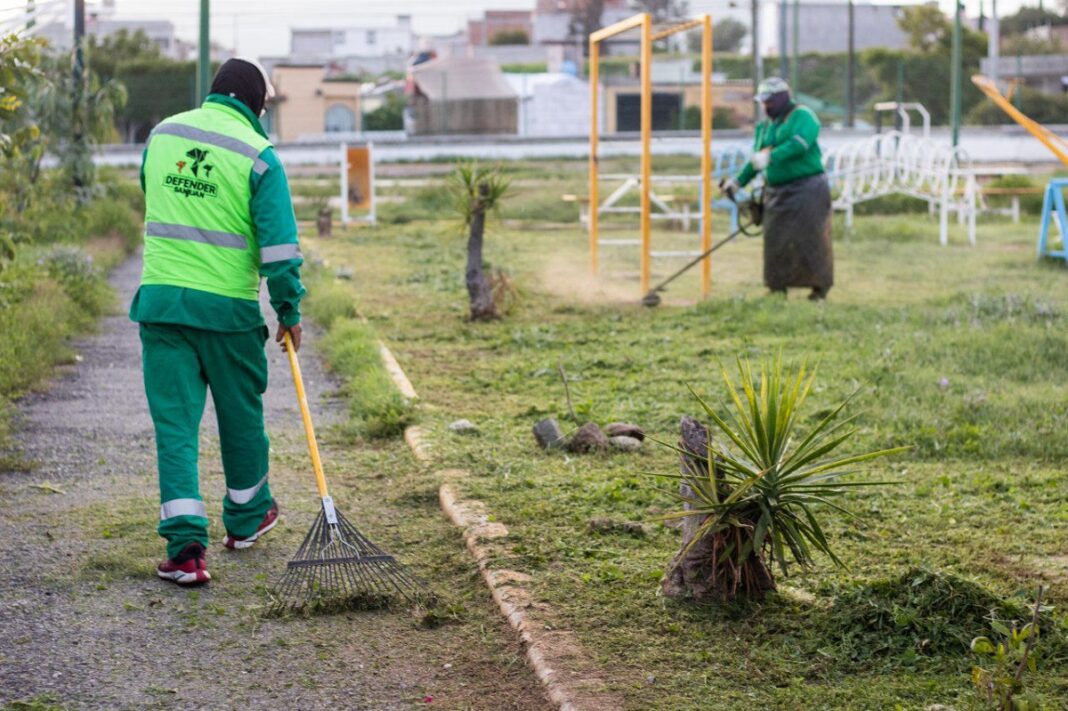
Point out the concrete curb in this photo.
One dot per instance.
(554, 654)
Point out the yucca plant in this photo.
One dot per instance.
(477, 191)
(753, 493)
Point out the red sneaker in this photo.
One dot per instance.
(237, 543)
(187, 568)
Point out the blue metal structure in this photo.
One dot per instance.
(1053, 207)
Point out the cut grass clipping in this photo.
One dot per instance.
(377, 409)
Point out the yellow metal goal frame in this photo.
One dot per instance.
(649, 34)
(1057, 145)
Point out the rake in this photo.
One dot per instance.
(337, 567)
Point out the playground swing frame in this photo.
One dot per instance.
(649, 34)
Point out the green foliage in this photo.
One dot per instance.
(377, 409)
(727, 36)
(525, 68)
(765, 486)
(114, 218)
(387, 117)
(509, 37)
(474, 188)
(1012, 652)
(1027, 18)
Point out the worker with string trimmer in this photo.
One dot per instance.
(218, 217)
(797, 198)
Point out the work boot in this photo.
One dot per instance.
(238, 543)
(818, 294)
(187, 568)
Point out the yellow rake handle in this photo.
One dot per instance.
(309, 428)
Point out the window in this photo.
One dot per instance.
(371, 37)
(340, 119)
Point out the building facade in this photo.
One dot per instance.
(310, 106)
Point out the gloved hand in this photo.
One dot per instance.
(729, 186)
(761, 160)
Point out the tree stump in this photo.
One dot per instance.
(325, 222)
(702, 572)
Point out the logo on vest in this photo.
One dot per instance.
(197, 185)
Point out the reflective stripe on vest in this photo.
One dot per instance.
(198, 220)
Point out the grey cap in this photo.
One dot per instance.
(771, 85)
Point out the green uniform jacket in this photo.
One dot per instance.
(271, 209)
(794, 151)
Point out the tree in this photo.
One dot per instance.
(663, 10)
(106, 54)
(925, 26)
(387, 117)
(585, 20)
(727, 36)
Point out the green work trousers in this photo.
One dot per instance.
(180, 364)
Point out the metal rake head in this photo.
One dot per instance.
(337, 568)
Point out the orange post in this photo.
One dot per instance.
(594, 209)
(706, 152)
(646, 138)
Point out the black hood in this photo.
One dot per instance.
(243, 81)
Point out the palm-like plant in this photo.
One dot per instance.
(754, 496)
(477, 191)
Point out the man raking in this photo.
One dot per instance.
(797, 198)
(218, 217)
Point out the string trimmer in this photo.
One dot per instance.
(753, 208)
(337, 567)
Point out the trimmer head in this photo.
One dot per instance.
(651, 299)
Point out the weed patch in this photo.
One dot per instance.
(351, 348)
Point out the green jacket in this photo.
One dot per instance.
(274, 225)
(795, 154)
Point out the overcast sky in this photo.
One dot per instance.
(261, 27)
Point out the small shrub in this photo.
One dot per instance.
(113, 218)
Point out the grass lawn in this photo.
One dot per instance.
(958, 351)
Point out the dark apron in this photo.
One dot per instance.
(797, 234)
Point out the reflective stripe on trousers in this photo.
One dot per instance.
(182, 507)
(243, 496)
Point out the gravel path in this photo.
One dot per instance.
(83, 622)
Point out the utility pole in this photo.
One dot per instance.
(77, 117)
(795, 75)
(850, 96)
(758, 61)
(955, 75)
(993, 47)
(204, 54)
(783, 56)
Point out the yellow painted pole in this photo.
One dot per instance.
(594, 207)
(305, 413)
(1043, 134)
(706, 152)
(647, 130)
